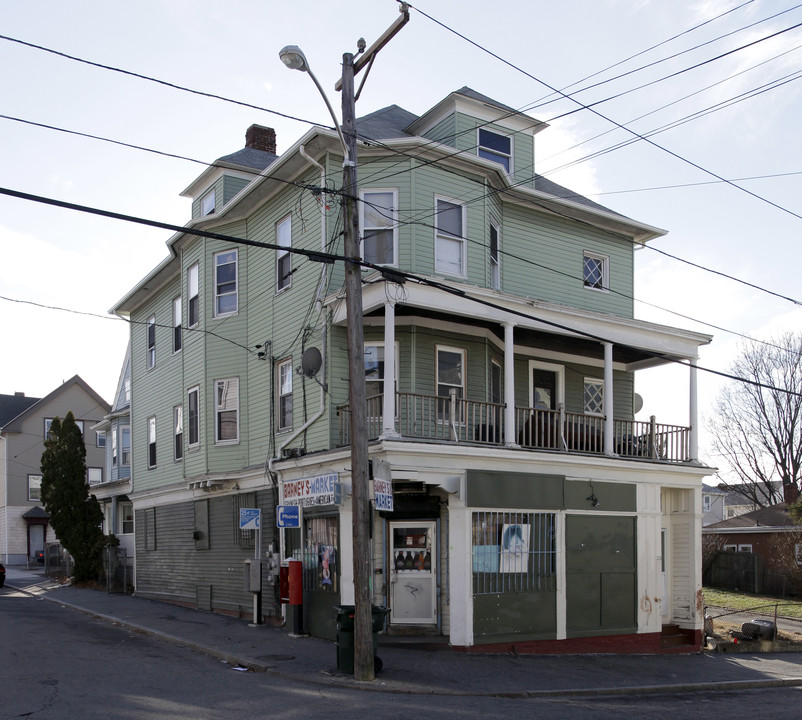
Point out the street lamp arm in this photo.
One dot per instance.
(347, 158)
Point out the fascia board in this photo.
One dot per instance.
(673, 342)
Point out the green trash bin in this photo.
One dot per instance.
(345, 636)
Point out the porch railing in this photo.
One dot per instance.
(455, 419)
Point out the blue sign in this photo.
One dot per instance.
(250, 519)
(288, 516)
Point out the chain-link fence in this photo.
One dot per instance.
(780, 622)
(57, 561)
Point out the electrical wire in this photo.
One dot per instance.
(394, 275)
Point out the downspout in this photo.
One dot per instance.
(319, 302)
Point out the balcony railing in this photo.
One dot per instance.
(454, 419)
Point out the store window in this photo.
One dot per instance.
(513, 552)
(321, 550)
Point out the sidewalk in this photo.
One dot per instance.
(416, 669)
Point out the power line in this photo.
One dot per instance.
(175, 86)
(392, 275)
(607, 119)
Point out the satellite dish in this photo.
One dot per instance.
(637, 403)
(311, 362)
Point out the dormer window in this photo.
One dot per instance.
(495, 147)
(207, 203)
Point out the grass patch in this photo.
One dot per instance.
(748, 601)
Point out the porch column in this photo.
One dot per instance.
(693, 412)
(388, 399)
(509, 386)
(608, 398)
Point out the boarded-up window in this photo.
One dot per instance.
(150, 529)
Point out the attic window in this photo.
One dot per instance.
(207, 203)
(495, 147)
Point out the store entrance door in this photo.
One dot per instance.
(413, 584)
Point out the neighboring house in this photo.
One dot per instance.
(24, 423)
(113, 492)
(713, 499)
(517, 500)
(769, 535)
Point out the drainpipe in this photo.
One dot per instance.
(5, 490)
(321, 287)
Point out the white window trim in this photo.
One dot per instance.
(178, 410)
(217, 294)
(462, 240)
(464, 366)
(152, 441)
(218, 410)
(394, 218)
(550, 367)
(495, 267)
(480, 147)
(88, 479)
(605, 261)
(189, 444)
(280, 254)
(193, 293)
(204, 202)
(381, 344)
(32, 499)
(280, 395)
(594, 381)
(151, 349)
(177, 325)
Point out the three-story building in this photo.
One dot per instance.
(517, 500)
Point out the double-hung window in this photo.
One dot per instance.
(450, 377)
(495, 267)
(226, 410)
(596, 271)
(177, 324)
(193, 417)
(375, 378)
(285, 395)
(114, 447)
(125, 436)
(379, 226)
(193, 312)
(225, 283)
(178, 432)
(35, 487)
(283, 255)
(151, 442)
(151, 337)
(495, 147)
(449, 251)
(207, 205)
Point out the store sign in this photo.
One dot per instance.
(383, 494)
(313, 491)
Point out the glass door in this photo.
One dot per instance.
(413, 575)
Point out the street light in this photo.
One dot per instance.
(293, 57)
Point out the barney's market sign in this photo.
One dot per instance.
(312, 491)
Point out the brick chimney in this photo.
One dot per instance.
(260, 137)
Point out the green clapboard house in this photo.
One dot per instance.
(517, 499)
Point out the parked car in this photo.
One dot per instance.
(39, 556)
(2, 574)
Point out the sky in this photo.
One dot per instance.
(718, 78)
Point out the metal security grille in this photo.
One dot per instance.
(244, 538)
(513, 552)
(320, 554)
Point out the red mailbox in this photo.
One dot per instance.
(284, 583)
(296, 582)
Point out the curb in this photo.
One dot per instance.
(347, 681)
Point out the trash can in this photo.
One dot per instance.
(345, 636)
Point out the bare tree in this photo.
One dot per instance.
(757, 424)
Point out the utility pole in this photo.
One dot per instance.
(357, 398)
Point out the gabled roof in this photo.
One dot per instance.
(774, 516)
(15, 424)
(13, 405)
(384, 124)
